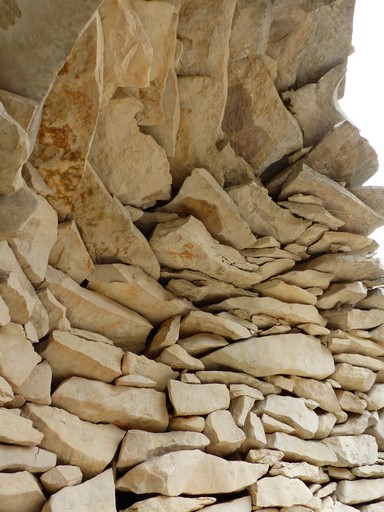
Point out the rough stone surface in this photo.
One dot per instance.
(20, 492)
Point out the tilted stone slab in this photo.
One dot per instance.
(274, 355)
(17, 430)
(73, 440)
(122, 406)
(197, 399)
(190, 472)
(26, 458)
(295, 449)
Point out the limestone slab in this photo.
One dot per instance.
(18, 430)
(224, 435)
(138, 445)
(179, 359)
(360, 491)
(92, 311)
(20, 492)
(61, 476)
(190, 472)
(280, 491)
(133, 364)
(37, 387)
(335, 241)
(26, 458)
(342, 293)
(302, 470)
(277, 289)
(313, 389)
(201, 321)
(73, 440)
(295, 449)
(197, 399)
(353, 378)
(57, 318)
(170, 504)
(6, 393)
(19, 302)
(353, 451)
(131, 287)
(349, 320)
(124, 407)
(200, 344)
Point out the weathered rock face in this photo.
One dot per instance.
(191, 313)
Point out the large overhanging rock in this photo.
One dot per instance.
(190, 472)
(262, 356)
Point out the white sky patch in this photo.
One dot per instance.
(363, 102)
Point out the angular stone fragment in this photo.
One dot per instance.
(197, 399)
(61, 476)
(240, 408)
(17, 430)
(225, 377)
(16, 210)
(18, 357)
(166, 336)
(133, 364)
(4, 313)
(312, 212)
(200, 344)
(186, 244)
(124, 407)
(139, 445)
(272, 425)
(224, 435)
(314, 452)
(202, 197)
(170, 504)
(206, 474)
(339, 241)
(353, 378)
(69, 253)
(302, 470)
(69, 119)
(360, 491)
(342, 293)
(21, 109)
(73, 440)
(280, 491)
(20, 492)
(110, 235)
(37, 387)
(98, 492)
(187, 423)
(279, 290)
(56, 311)
(261, 357)
(251, 118)
(349, 320)
(353, 450)
(131, 165)
(69, 355)
(254, 433)
(92, 311)
(375, 397)
(131, 287)
(6, 393)
(267, 218)
(372, 196)
(26, 458)
(322, 392)
(358, 360)
(19, 302)
(201, 321)
(336, 199)
(356, 425)
(371, 471)
(307, 278)
(179, 359)
(14, 152)
(292, 411)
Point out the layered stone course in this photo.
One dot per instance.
(191, 308)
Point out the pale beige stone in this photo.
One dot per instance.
(371, 363)
(37, 387)
(190, 472)
(69, 253)
(124, 407)
(353, 451)
(21, 109)
(166, 336)
(201, 321)
(69, 355)
(14, 151)
(131, 287)
(254, 433)
(56, 312)
(179, 359)
(336, 199)
(314, 452)
(356, 424)
(261, 357)
(282, 291)
(96, 493)
(280, 491)
(135, 381)
(236, 390)
(240, 408)
(131, 165)
(341, 341)
(133, 364)
(138, 445)
(375, 397)
(170, 504)
(19, 302)
(256, 122)
(268, 219)
(107, 229)
(290, 312)
(4, 313)
(272, 425)
(162, 37)
(372, 196)
(202, 197)
(353, 378)
(349, 320)
(332, 241)
(302, 470)
(373, 507)
(69, 119)
(340, 473)
(374, 299)
(26, 458)
(17, 430)
(350, 402)
(61, 476)
(128, 53)
(186, 244)
(342, 293)
(20, 492)
(360, 491)
(292, 411)
(18, 357)
(197, 399)
(227, 377)
(74, 440)
(92, 311)
(200, 344)
(312, 212)
(224, 435)
(307, 278)
(187, 423)
(6, 392)
(371, 471)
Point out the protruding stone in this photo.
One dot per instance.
(61, 476)
(179, 359)
(139, 446)
(313, 389)
(20, 492)
(360, 491)
(224, 435)
(195, 399)
(133, 364)
(277, 289)
(17, 430)
(353, 450)
(200, 344)
(314, 452)
(56, 311)
(170, 504)
(73, 440)
(26, 458)
(37, 387)
(124, 407)
(353, 378)
(302, 470)
(206, 474)
(201, 321)
(280, 491)
(19, 302)
(186, 423)
(342, 293)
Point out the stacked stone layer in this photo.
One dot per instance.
(191, 310)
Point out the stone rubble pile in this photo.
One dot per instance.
(191, 310)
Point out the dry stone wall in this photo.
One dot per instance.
(191, 310)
